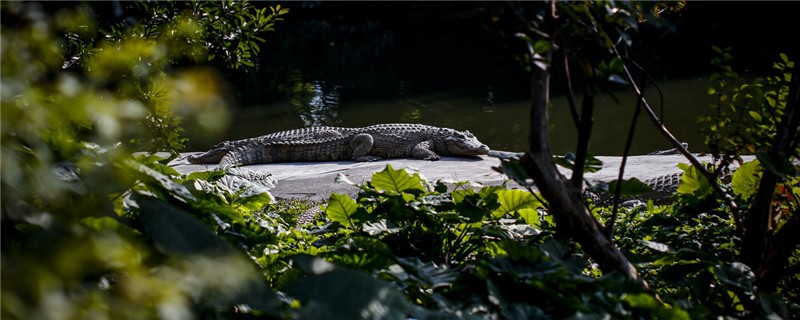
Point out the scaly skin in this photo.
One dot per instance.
(371, 143)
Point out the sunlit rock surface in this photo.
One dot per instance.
(316, 180)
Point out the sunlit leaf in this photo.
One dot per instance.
(163, 181)
(657, 246)
(746, 178)
(693, 182)
(397, 181)
(341, 208)
(755, 115)
(514, 200)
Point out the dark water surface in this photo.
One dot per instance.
(453, 64)
(501, 125)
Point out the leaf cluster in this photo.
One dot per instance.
(747, 109)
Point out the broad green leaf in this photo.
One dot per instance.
(163, 181)
(254, 202)
(337, 293)
(175, 231)
(210, 175)
(517, 250)
(514, 200)
(514, 170)
(777, 164)
(737, 274)
(397, 181)
(630, 187)
(341, 208)
(746, 178)
(376, 228)
(655, 308)
(530, 216)
(432, 275)
(657, 246)
(693, 182)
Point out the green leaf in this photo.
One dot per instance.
(657, 246)
(737, 275)
(210, 175)
(630, 187)
(514, 170)
(777, 164)
(432, 275)
(341, 208)
(397, 181)
(515, 200)
(755, 115)
(615, 66)
(530, 216)
(654, 308)
(337, 293)
(175, 231)
(160, 180)
(746, 178)
(693, 182)
(568, 161)
(541, 46)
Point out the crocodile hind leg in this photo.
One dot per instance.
(362, 147)
(424, 151)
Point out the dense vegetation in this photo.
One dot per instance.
(90, 230)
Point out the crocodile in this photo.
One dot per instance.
(382, 141)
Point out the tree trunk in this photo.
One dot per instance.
(573, 219)
(764, 250)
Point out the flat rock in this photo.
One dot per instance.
(316, 180)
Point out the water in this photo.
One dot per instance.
(500, 123)
(443, 64)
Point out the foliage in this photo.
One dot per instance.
(747, 109)
(89, 231)
(134, 60)
(75, 103)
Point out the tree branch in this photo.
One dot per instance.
(584, 135)
(737, 216)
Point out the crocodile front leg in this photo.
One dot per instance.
(362, 147)
(424, 151)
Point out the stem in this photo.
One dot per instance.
(625, 153)
(584, 134)
(737, 216)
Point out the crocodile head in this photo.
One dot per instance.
(464, 144)
(211, 156)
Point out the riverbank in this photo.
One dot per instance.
(316, 180)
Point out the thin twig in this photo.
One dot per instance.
(737, 216)
(621, 175)
(570, 93)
